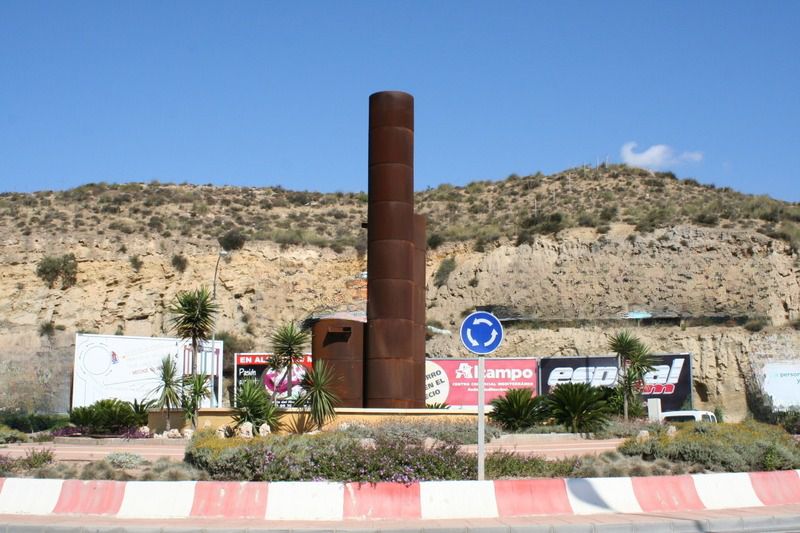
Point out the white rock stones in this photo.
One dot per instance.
(245, 430)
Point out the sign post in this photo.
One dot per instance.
(481, 333)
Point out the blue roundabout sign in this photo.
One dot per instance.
(481, 333)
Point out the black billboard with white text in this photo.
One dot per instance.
(670, 380)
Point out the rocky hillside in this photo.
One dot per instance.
(566, 256)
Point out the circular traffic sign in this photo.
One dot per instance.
(481, 332)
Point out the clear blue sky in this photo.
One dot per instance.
(266, 93)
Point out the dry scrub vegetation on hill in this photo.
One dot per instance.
(516, 208)
(568, 254)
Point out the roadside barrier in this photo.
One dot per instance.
(427, 500)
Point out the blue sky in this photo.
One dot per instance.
(275, 93)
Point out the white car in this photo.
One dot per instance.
(688, 416)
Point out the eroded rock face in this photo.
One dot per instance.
(687, 270)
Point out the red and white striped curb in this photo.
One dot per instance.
(427, 500)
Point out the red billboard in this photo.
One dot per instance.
(455, 381)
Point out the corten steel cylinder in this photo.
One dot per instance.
(391, 361)
(420, 245)
(340, 343)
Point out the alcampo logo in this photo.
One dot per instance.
(661, 380)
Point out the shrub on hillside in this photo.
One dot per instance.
(755, 324)
(232, 240)
(179, 262)
(51, 268)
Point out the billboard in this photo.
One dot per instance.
(126, 368)
(455, 381)
(255, 366)
(781, 381)
(670, 380)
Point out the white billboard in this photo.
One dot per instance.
(782, 384)
(115, 366)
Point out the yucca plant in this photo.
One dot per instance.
(578, 406)
(318, 395)
(518, 409)
(196, 388)
(193, 318)
(288, 342)
(254, 405)
(170, 387)
(635, 362)
(140, 410)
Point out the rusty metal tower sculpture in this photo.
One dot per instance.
(395, 337)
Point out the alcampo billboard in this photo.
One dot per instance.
(455, 381)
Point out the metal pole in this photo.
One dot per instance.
(481, 422)
(214, 327)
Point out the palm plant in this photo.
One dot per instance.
(288, 342)
(196, 388)
(170, 387)
(253, 405)
(318, 395)
(578, 406)
(193, 318)
(140, 410)
(518, 409)
(635, 362)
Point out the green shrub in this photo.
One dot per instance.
(232, 240)
(51, 268)
(8, 435)
(318, 395)
(418, 430)
(124, 460)
(747, 446)
(140, 411)
(707, 219)
(36, 459)
(518, 409)
(578, 406)
(179, 262)
(511, 465)
(443, 272)
(544, 223)
(435, 240)
(136, 262)
(47, 329)
(327, 456)
(254, 405)
(7, 466)
(109, 416)
(32, 422)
